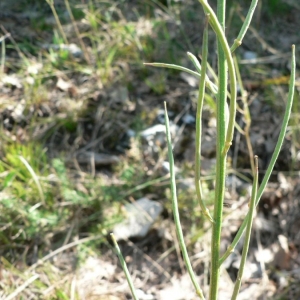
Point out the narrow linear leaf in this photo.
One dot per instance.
(124, 266)
(210, 85)
(175, 67)
(199, 126)
(176, 210)
(238, 282)
(238, 41)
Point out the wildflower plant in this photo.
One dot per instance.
(226, 116)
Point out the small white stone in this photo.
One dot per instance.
(140, 217)
(249, 55)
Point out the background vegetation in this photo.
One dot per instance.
(74, 99)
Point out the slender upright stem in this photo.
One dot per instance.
(224, 60)
(246, 115)
(238, 282)
(199, 125)
(176, 211)
(221, 161)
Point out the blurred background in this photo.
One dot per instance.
(83, 151)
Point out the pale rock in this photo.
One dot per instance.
(140, 216)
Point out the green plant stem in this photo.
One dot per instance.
(238, 282)
(124, 266)
(224, 59)
(274, 156)
(199, 127)
(176, 211)
(238, 41)
(223, 53)
(246, 114)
